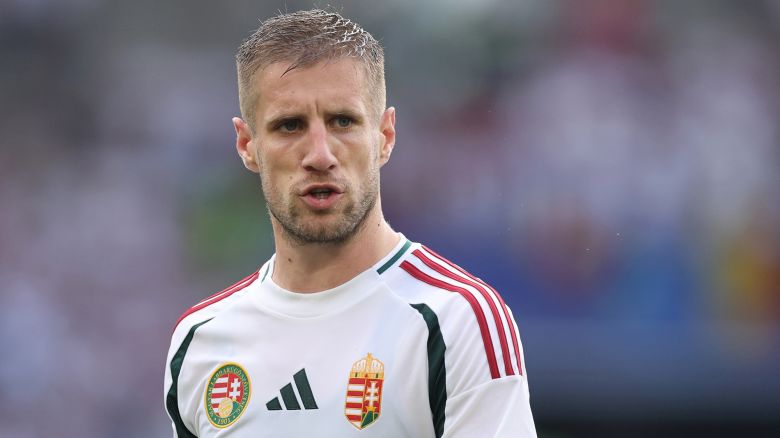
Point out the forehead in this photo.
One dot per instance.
(333, 82)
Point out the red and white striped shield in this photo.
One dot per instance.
(363, 404)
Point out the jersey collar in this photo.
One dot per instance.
(306, 305)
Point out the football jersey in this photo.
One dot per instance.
(412, 347)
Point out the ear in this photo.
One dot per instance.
(387, 130)
(244, 145)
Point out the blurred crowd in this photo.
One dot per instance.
(612, 166)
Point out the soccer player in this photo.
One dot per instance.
(349, 329)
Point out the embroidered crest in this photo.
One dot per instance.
(227, 394)
(364, 391)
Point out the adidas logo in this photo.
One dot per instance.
(289, 395)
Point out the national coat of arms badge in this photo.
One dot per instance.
(364, 391)
(227, 394)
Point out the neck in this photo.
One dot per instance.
(318, 267)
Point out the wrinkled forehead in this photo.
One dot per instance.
(285, 68)
(358, 72)
(343, 81)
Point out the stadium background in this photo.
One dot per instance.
(611, 166)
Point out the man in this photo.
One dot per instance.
(349, 329)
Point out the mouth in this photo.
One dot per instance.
(321, 191)
(321, 196)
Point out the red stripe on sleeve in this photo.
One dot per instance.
(219, 296)
(509, 319)
(249, 278)
(483, 328)
(483, 291)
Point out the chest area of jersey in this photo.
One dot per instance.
(347, 374)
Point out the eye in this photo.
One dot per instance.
(343, 121)
(290, 125)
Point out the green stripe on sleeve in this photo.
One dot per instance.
(395, 257)
(171, 400)
(437, 373)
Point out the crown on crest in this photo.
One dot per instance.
(369, 367)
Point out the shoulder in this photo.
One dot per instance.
(476, 325)
(201, 313)
(183, 333)
(434, 276)
(423, 275)
(212, 305)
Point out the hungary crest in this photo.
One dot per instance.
(364, 392)
(227, 394)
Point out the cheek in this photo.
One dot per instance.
(369, 168)
(274, 169)
(363, 166)
(370, 151)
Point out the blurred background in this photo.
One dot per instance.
(611, 166)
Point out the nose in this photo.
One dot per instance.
(319, 155)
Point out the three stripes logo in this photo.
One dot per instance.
(289, 398)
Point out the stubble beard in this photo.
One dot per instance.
(301, 230)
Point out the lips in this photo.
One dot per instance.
(321, 190)
(321, 196)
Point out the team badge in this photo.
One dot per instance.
(364, 392)
(227, 394)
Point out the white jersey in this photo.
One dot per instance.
(413, 347)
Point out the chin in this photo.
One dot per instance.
(321, 231)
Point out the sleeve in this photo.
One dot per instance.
(498, 408)
(477, 382)
(171, 390)
(487, 386)
(167, 397)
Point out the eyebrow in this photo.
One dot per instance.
(345, 112)
(282, 116)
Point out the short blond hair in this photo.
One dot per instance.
(305, 38)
